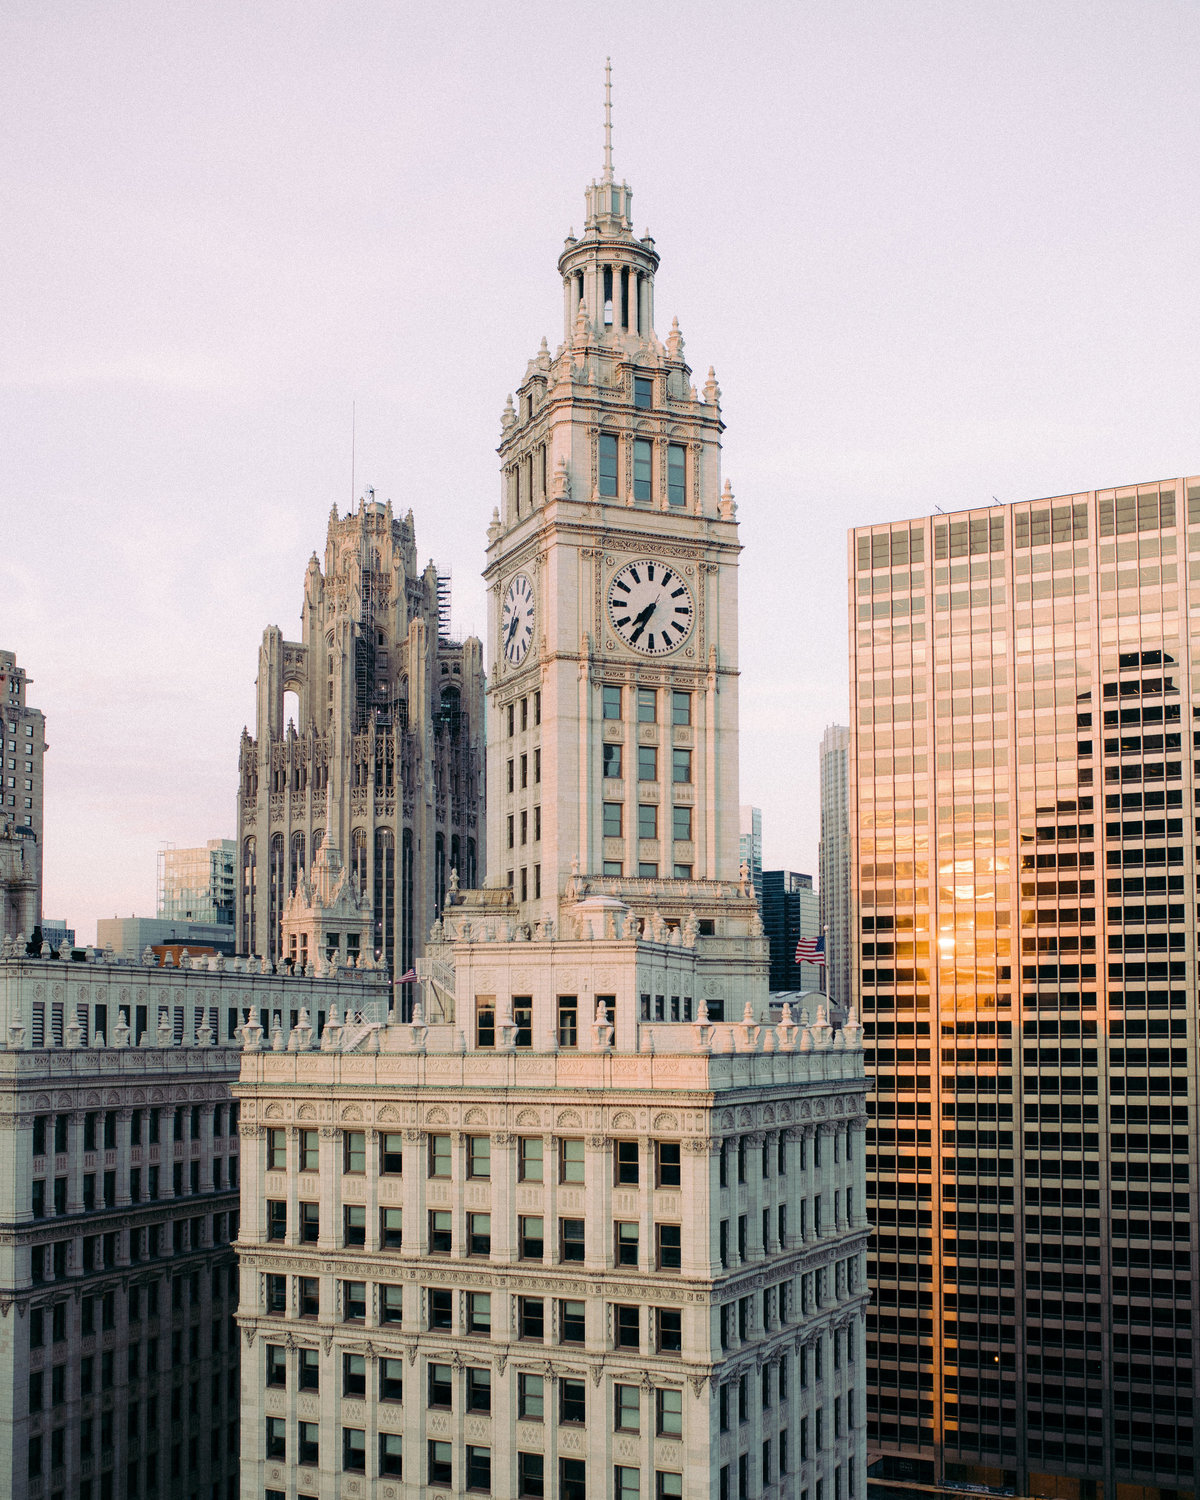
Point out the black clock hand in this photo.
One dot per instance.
(643, 619)
(512, 629)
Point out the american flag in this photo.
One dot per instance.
(811, 950)
(409, 978)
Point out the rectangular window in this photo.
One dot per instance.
(354, 1375)
(530, 1161)
(570, 1161)
(310, 1154)
(308, 1434)
(479, 1312)
(309, 1370)
(391, 1304)
(681, 824)
(572, 1401)
(626, 1483)
(568, 1022)
(681, 767)
(391, 1380)
(612, 818)
(626, 1163)
(485, 1020)
(391, 1222)
(647, 705)
(643, 392)
(612, 867)
(523, 1020)
(355, 1226)
(390, 1452)
(669, 1413)
(310, 1223)
(439, 1231)
(612, 761)
(441, 1468)
(667, 1163)
(571, 1239)
(647, 762)
(479, 1234)
(530, 1397)
(668, 1246)
(354, 1151)
(626, 1243)
(441, 1308)
(532, 1236)
(668, 1330)
(479, 1389)
(676, 474)
(643, 463)
(441, 1386)
(276, 1365)
(479, 1469)
(276, 1438)
(276, 1150)
(479, 1156)
(627, 1408)
(531, 1318)
(354, 1301)
(647, 820)
(276, 1219)
(531, 1479)
(440, 1156)
(608, 464)
(572, 1322)
(611, 698)
(392, 1154)
(627, 1324)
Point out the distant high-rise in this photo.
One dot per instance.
(1023, 679)
(790, 912)
(750, 845)
(23, 741)
(197, 885)
(834, 860)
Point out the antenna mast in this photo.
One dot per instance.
(608, 162)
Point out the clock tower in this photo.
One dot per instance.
(612, 577)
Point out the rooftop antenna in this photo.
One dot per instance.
(608, 165)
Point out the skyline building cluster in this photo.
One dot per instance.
(474, 1153)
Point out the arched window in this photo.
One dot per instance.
(439, 873)
(249, 923)
(358, 859)
(450, 709)
(296, 870)
(277, 894)
(385, 893)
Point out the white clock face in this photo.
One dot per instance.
(516, 620)
(650, 606)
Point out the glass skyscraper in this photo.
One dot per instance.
(1024, 874)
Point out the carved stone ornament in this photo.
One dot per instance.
(698, 1382)
(416, 1136)
(597, 1142)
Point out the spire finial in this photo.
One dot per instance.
(608, 165)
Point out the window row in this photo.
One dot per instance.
(144, 1186)
(613, 765)
(474, 1386)
(647, 813)
(566, 1153)
(531, 1234)
(521, 707)
(643, 470)
(146, 1127)
(677, 704)
(555, 1320)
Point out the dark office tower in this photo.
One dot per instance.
(1024, 873)
(789, 912)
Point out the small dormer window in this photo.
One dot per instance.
(643, 392)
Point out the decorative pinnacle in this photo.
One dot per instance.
(608, 162)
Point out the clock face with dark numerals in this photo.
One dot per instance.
(516, 620)
(650, 606)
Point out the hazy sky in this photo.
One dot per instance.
(936, 252)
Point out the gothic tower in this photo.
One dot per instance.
(612, 572)
(385, 744)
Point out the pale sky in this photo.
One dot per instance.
(936, 252)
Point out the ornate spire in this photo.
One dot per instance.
(608, 162)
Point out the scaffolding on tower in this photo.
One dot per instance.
(443, 597)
